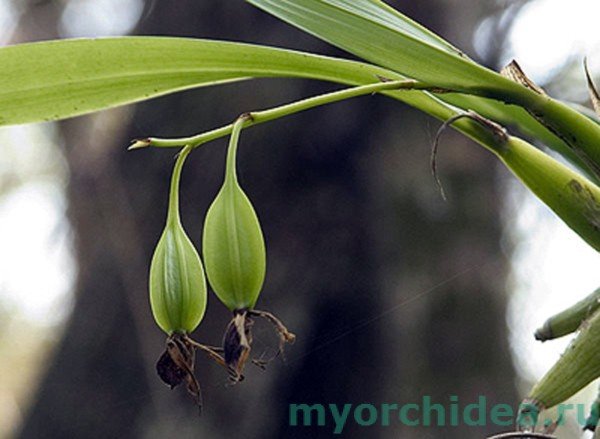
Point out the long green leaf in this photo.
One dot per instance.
(59, 79)
(379, 12)
(368, 30)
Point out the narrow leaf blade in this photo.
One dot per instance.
(369, 30)
(58, 79)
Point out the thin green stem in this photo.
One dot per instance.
(230, 171)
(173, 211)
(393, 89)
(469, 127)
(258, 117)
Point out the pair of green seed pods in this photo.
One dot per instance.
(235, 259)
(233, 249)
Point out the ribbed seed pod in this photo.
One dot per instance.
(177, 281)
(232, 244)
(570, 319)
(234, 253)
(576, 368)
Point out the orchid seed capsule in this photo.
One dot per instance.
(177, 282)
(570, 319)
(232, 244)
(235, 257)
(576, 368)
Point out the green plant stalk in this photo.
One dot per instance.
(570, 195)
(85, 75)
(173, 214)
(231, 160)
(570, 319)
(578, 131)
(512, 115)
(573, 197)
(258, 117)
(231, 186)
(395, 89)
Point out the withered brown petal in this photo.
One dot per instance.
(594, 95)
(237, 341)
(514, 72)
(169, 372)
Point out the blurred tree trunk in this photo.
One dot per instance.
(393, 293)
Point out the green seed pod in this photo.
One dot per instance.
(232, 242)
(570, 319)
(177, 281)
(576, 368)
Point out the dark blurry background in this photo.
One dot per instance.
(392, 292)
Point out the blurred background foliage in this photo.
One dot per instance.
(392, 292)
